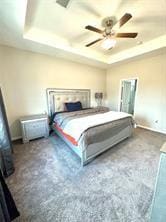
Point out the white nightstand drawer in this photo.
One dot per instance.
(34, 127)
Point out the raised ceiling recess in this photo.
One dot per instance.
(57, 27)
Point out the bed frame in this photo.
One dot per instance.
(56, 99)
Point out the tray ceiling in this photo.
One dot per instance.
(46, 27)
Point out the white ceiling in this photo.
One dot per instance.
(44, 26)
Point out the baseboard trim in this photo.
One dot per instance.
(16, 138)
(152, 129)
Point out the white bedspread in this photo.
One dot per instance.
(76, 127)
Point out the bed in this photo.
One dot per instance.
(89, 131)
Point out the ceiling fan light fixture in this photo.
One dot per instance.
(108, 43)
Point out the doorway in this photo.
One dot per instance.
(128, 92)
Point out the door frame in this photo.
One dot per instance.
(120, 91)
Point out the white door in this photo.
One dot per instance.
(128, 90)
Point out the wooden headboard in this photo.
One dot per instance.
(57, 97)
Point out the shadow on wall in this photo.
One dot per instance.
(112, 106)
(15, 129)
(141, 120)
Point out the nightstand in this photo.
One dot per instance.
(34, 126)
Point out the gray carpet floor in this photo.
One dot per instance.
(49, 184)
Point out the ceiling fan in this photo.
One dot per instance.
(108, 34)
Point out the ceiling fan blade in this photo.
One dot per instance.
(126, 35)
(94, 29)
(63, 3)
(97, 40)
(125, 18)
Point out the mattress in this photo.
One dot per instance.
(94, 134)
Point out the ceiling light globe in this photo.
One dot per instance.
(108, 43)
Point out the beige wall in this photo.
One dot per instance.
(26, 75)
(150, 104)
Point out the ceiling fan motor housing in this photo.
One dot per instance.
(108, 23)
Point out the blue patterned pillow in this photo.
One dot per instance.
(73, 106)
